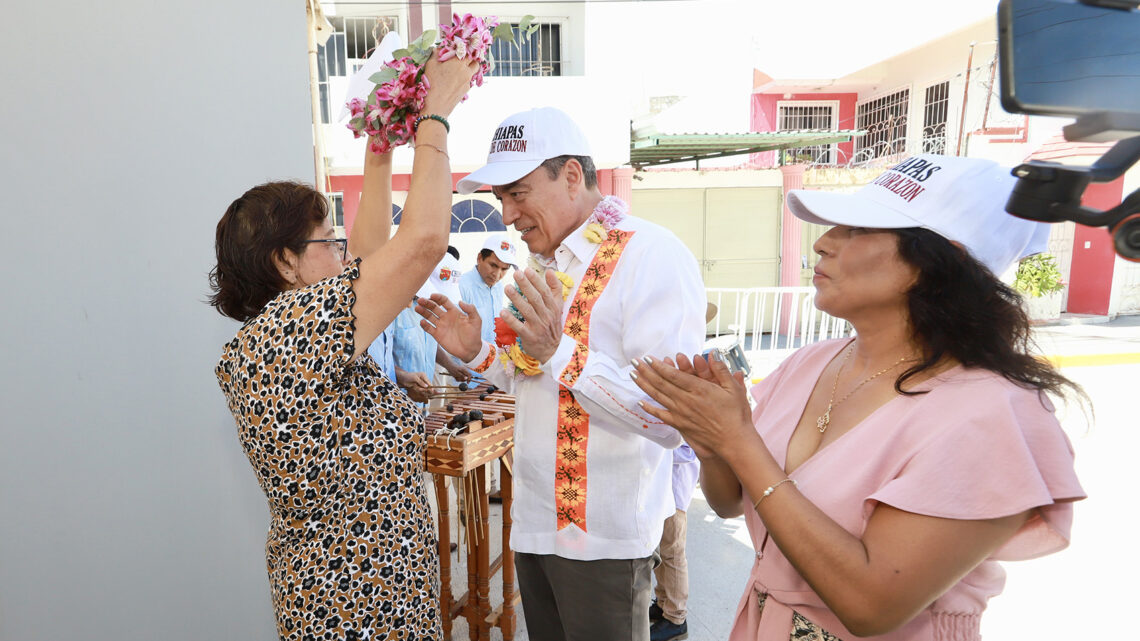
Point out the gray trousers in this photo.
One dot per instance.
(568, 600)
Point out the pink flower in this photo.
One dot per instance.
(396, 103)
(609, 212)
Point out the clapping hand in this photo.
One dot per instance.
(539, 301)
(700, 397)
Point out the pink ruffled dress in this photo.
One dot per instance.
(975, 447)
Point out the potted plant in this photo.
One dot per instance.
(1038, 280)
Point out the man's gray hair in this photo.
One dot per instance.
(590, 174)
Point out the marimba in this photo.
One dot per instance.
(462, 451)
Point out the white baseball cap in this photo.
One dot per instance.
(426, 290)
(503, 248)
(445, 278)
(524, 141)
(960, 199)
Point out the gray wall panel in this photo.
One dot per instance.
(127, 508)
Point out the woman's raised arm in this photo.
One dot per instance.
(392, 271)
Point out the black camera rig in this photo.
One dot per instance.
(1051, 192)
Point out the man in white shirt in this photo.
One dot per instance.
(483, 286)
(591, 469)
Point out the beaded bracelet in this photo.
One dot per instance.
(772, 488)
(440, 119)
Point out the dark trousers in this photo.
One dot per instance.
(568, 600)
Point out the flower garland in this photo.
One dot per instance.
(609, 212)
(388, 115)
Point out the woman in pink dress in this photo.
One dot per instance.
(883, 476)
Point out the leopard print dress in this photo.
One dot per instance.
(338, 450)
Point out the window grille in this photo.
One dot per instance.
(934, 112)
(473, 215)
(884, 120)
(345, 51)
(540, 54)
(336, 208)
(807, 115)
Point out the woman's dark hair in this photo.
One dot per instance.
(959, 309)
(256, 228)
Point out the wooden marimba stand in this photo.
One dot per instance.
(463, 455)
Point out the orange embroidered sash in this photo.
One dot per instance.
(573, 420)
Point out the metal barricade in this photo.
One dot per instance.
(769, 323)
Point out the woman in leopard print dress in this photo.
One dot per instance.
(335, 445)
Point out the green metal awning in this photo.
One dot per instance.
(659, 149)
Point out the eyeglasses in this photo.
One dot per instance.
(343, 242)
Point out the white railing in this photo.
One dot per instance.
(769, 323)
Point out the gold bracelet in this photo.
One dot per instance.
(772, 488)
(428, 144)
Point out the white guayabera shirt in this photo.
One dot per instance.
(653, 304)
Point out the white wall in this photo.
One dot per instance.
(127, 508)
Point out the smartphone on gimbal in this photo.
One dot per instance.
(1077, 58)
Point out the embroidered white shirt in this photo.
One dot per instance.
(654, 304)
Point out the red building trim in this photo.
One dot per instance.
(1094, 260)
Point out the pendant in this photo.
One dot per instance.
(823, 421)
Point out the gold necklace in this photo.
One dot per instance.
(823, 421)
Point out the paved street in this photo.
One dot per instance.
(1056, 598)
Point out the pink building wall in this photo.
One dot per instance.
(765, 118)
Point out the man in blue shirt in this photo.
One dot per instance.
(483, 286)
(414, 350)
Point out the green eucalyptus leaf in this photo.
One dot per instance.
(400, 53)
(504, 32)
(525, 22)
(382, 76)
(427, 39)
(532, 29)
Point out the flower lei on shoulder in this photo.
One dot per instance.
(604, 218)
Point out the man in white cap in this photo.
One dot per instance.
(483, 286)
(414, 351)
(591, 469)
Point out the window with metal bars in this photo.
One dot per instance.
(539, 54)
(934, 111)
(345, 51)
(336, 208)
(884, 120)
(809, 115)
